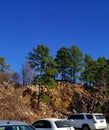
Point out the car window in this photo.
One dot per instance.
(89, 116)
(42, 124)
(76, 117)
(8, 128)
(99, 116)
(17, 127)
(63, 123)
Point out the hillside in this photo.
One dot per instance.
(21, 103)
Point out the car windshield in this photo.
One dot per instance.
(63, 123)
(99, 117)
(17, 127)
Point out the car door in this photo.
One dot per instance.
(77, 120)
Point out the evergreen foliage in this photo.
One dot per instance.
(69, 64)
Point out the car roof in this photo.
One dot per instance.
(11, 122)
(87, 113)
(51, 119)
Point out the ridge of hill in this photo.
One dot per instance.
(21, 103)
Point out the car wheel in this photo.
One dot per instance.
(85, 127)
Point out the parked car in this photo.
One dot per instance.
(53, 124)
(15, 125)
(88, 121)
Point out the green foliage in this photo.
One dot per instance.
(106, 92)
(63, 61)
(38, 58)
(51, 84)
(96, 71)
(70, 64)
(100, 71)
(43, 63)
(89, 70)
(99, 109)
(3, 64)
(51, 70)
(76, 62)
(45, 98)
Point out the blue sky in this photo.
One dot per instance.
(54, 23)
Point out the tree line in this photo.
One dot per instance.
(69, 64)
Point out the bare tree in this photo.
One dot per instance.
(27, 74)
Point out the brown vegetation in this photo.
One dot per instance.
(21, 103)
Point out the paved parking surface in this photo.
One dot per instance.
(107, 126)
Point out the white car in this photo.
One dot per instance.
(88, 121)
(53, 124)
(15, 125)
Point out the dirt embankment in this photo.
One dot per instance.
(22, 103)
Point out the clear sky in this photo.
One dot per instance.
(54, 23)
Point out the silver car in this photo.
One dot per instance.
(53, 124)
(15, 125)
(88, 121)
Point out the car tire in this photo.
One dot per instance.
(85, 127)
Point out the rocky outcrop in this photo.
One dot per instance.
(22, 103)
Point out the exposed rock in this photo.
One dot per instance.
(22, 103)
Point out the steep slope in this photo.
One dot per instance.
(22, 103)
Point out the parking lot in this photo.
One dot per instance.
(107, 126)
